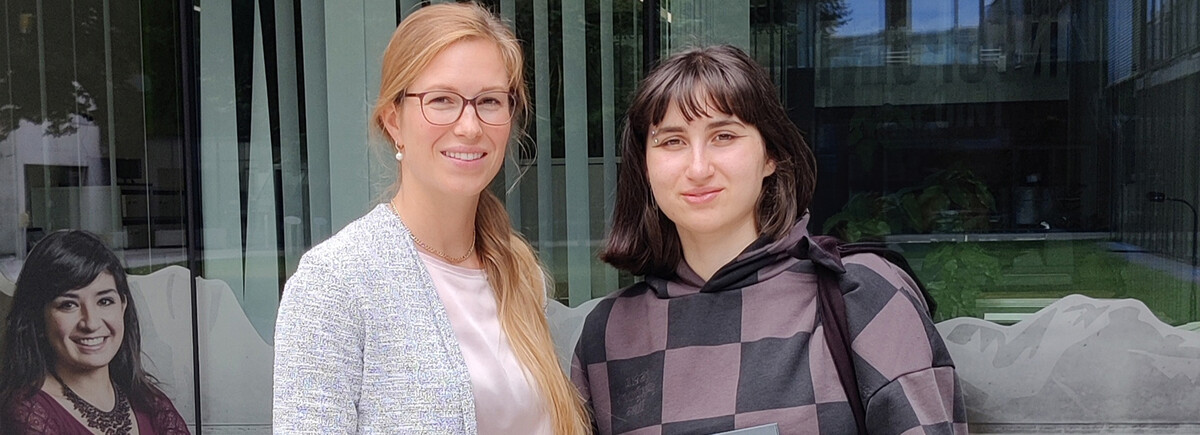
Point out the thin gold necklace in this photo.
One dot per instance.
(440, 254)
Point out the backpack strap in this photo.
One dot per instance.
(832, 305)
(827, 257)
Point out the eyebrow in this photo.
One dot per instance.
(725, 122)
(714, 124)
(72, 295)
(452, 88)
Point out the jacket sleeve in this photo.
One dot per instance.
(929, 401)
(318, 353)
(904, 370)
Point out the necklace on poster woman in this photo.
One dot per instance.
(115, 422)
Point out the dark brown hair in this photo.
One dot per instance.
(642, 240)
(63, 261)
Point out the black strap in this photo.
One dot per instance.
(832, 305)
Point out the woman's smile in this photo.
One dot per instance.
(702, 195)
(466, 157)
(91, 344)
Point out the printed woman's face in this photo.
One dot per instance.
(462, 157)
(86, 326)
(707, 174)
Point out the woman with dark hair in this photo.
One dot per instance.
(724, 332)
(72, 360)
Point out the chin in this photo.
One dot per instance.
(473, 188)
(86, 366)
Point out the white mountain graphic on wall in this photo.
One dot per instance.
(1079, 360)
(235, 362)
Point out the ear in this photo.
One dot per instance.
(391, 123)
(769, 168)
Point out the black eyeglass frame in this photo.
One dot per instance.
(420, 96)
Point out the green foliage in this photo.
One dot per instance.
(952, 200)
(1103, 274)
(948, 201)
(956, 274)
(832, 14)
(861, 218)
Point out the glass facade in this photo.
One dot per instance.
(1016, 151)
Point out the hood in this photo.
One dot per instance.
(763, 259)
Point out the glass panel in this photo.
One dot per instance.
(852, 32)
(259, 213)
(1009, 148)
(90, 139)
(585, 59)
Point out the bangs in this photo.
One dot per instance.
(80, 275)
(73, 271)
(701, 85)
(68, 260)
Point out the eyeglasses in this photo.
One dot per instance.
(445, 107)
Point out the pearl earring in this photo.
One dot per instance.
(399, 156)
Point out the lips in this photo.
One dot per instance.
(466, 157)
(90, 342)
(702, 195)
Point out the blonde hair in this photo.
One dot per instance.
(512, 268)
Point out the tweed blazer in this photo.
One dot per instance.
(363, 343)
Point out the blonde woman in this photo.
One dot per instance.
(426, 315)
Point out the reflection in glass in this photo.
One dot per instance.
(77, 148)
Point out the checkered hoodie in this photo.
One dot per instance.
(679, 355)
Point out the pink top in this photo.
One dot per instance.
(506, 402)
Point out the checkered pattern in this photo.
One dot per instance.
(684, 356)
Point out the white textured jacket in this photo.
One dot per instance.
(363, 343)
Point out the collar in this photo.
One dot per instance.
(761, 260)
